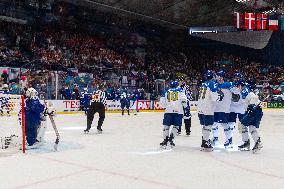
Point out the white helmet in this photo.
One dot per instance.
(32, 93)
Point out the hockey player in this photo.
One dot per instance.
(85, 100)
(124, 103)
(187, 115)
(222, 110)
(209, 94)
(238, 106)
(97, 105)
(251, 120)
(174, 102)
(33, 116)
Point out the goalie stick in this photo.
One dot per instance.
(54, 128)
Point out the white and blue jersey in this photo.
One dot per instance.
(224, 103)
(208, 96)
(174, 100)
(174, 103)
(222, 107)
(253, 112)
(238, 105)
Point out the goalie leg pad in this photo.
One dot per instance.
(41, 131)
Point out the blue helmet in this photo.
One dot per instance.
(241, 82)
(173, 84)
(209, 74)
(221, 73)
(238, 75)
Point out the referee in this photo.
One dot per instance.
(97, 105)
(187, 115)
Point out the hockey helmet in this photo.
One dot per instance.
(173, 84)
(32, 93)
(238, 77)
(221, 73)
(209, 74)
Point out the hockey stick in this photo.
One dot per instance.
(54, 128)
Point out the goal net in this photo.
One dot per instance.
(12, 124)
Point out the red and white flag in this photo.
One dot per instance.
(250, 21)
(239, 20)
(261, 21)
(273, 23)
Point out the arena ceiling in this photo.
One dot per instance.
(174, 13)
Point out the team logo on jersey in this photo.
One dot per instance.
(96, 97)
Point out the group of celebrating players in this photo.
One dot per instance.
(220, 102)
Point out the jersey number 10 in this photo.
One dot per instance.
(172, 96)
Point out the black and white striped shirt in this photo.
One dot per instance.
(187, 91)
(99, 96)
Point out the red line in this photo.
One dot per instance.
(51, 179)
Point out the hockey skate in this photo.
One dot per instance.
(99, 130)
(36, 145)
(257, 146)
(86, 131)
(164, 143)
(215, 141)
(245, 146)
(206, 146)
(229, 143)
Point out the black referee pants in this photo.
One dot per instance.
(93, 109)
(187, 124)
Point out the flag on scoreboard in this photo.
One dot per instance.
(239, 20)
(261, 21)
(282, 22)
(273, 22)
(250, 21)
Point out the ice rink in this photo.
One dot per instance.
(127, 156)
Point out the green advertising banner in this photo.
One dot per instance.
(275, 105)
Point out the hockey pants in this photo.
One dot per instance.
(94, 108)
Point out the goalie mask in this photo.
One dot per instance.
(32, 93)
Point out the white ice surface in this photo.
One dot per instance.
(127, 156)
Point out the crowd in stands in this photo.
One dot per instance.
(112, 61)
